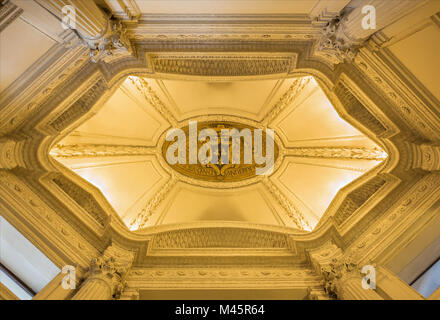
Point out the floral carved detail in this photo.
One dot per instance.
(113, 41)
(223, 65)
(112, 267)
(142, 217)
(292, 211)
(288, 97)
(152, 98)
(335, 45)
(96, 150)
(219, 238)
(334, 272)
(361, 153)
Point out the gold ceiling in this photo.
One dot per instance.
(122, 151)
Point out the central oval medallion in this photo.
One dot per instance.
(220, 151)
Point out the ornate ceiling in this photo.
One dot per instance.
(84, 114)
(121, 150)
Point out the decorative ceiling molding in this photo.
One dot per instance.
(152, 98)
(8, 13)
(143, 216)
(219, 238)
(126, 10)
(287, 99)
(95, 150)
(223, 65)
(292, 211)
(359, 153)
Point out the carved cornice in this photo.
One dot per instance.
(408, 105)
(406, 210)
(32, 211)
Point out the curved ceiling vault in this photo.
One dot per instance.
(119, 151)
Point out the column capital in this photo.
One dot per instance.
(344, 35)
(342, 277)
(105, 278)
(336, 273)
(113, 41)
(103, 34)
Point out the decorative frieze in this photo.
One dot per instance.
(357, 110)
(223, 65)
(220, 237)
(407, 210)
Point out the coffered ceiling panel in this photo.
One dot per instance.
(126, 182)
(190, 203)
(312, 117)
(120, 151)
(246, 98)
(315, 182)
(126, 118)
